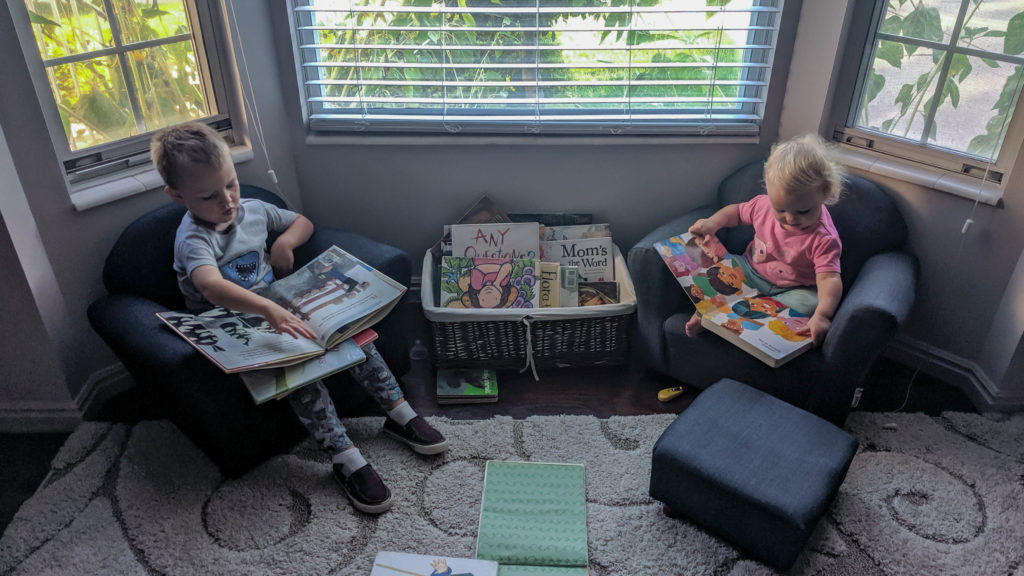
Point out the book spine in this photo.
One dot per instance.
(568, 285)
(549, 285)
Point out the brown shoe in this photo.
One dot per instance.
(418, 435)
(365, 489)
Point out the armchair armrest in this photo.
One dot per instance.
(658, 294)
(128, 324)
(388, 259)
(870, 314)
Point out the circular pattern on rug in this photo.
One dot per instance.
(451, 496)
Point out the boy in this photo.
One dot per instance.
(220, 256)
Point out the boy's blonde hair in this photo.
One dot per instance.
(174, 148)
(805, 163)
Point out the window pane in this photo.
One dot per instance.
(899, 88)
(990, 26)
(971, 116)
(167, 81)
(142, 20)
(69, 27)
(93, 102)
(923, 19)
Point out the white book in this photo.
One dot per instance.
(568, 286)
(593, 256)
(402, 564)
(517, 240)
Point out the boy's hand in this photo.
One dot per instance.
(282, 259)
(287, 323)
(817, 327)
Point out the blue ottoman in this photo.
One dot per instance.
(752, 469)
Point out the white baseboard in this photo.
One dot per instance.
(102, 386)
(38, 417)
(958, 371)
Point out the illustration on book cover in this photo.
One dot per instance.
(715, 282)
(488, 283)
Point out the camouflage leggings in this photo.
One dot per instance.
(313, 405)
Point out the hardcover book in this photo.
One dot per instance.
(496, 240)
(714, 281)
(402, 564)
(598, 293)
(336, 294)
(547, 284)
(568, 286)
(274, 383)
(488, 283)
(466, 386)
(485, 210)
(578, 232)
(533, 518)
(592, 256)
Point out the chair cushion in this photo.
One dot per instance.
(753, 469)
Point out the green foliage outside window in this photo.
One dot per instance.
(129, 88)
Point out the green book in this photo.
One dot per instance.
(466, 386)
(533, 519)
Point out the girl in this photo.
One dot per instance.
(794, 256)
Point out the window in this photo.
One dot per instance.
(939, 83)
(536, 66)
(110, 72)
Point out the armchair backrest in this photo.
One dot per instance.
(866, 217)
(141, 260)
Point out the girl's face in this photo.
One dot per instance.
(795, 211)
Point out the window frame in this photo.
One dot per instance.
(327, 132)
(927, 163)
(111, 161)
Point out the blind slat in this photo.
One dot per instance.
(538, 66)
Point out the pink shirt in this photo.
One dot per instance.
(788, 258)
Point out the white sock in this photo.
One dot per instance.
(350, 460)
(402, 413)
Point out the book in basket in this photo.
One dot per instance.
(466, 385)
(336, 294)
(714, 281)
(402, 564)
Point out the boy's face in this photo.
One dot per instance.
(210, 193)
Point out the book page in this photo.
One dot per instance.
(715, 282)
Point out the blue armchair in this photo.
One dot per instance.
(879, 279)
(212, 408)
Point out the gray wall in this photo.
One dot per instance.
(403, 194)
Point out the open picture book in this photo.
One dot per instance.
(336, 294)
(714, 281)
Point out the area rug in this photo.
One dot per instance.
(924, 495)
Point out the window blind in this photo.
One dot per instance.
(536, 66)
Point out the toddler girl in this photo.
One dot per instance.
(794, 256)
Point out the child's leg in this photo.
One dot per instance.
(402, 423)
(361, 483)
(693, 326)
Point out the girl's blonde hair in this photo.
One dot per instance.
(805, 163)
(174, 148)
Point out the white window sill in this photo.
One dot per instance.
(129, 183)
(960, 185)
(320, 139)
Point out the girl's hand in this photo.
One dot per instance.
(817, 327)
(282, 259)
(287, 323)
(702, 229)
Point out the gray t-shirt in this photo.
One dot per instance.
(239, 252)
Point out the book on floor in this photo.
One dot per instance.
(533, 518)
(389, 563)
(466, 385)
(757, 324)
(336, 294)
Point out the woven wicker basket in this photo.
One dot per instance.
(530, 338)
